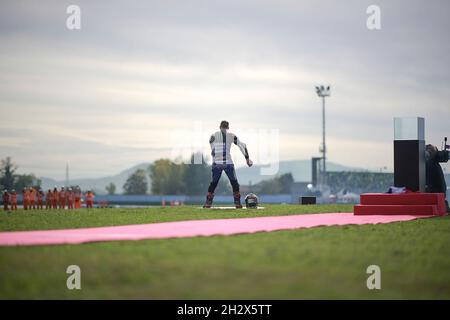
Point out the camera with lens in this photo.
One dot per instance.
(435, 180)
(436, 155)
(443, 155)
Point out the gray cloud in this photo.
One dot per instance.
(139, 69)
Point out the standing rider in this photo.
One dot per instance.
(220, 143)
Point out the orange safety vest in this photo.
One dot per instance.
(33, 195)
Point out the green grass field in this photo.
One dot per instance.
(323, 262)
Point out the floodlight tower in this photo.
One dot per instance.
(323, 92)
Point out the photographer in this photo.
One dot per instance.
(435, 181)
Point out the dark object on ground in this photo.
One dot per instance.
(307, 200)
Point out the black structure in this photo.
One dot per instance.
(409, 153)
(307, 200)
(409, 164)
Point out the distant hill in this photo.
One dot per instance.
(301, 170)
(98, 184)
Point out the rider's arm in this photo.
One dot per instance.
(241, 146)
(211, 144)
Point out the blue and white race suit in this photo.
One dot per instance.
(220, 143)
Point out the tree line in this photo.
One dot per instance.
(167, 177)
(10, 179)
(173, 177)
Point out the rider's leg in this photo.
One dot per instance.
(216, 173)
(231, 173)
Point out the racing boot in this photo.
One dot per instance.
(237, 200)
(209, 200)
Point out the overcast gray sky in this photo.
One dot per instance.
(110, 95)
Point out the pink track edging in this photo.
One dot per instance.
(192, 228)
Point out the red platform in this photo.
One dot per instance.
(413, 203)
